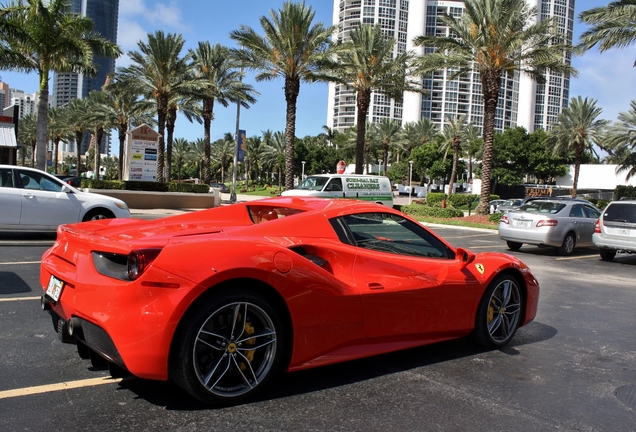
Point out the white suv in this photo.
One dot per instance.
(615, 230)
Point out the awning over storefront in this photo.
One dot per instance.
(7, 136)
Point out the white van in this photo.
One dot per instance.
(364, 187)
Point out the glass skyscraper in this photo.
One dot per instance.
(67, 86)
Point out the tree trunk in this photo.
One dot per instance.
(208, 112)
(99, 134)
(42, 122)
(123, 128)
(363, 99)
(451, 183)
(56, 147)
(292, 89)
(170, 122)
(491, 83)
(79, 137)
(578, 155)
(161, 128)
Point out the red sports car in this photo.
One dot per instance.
(220, 300)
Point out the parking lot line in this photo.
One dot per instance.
(26, 391)
(18, 299)
(20, 262)
(577, 257)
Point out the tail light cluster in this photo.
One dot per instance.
(597, 226)
(547, 222)
(125, 267)
(505, 219)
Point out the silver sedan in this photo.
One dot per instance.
(560, 224)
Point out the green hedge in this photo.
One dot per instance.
(495, 217)
(624, 191)
(145, 186)
(428, 211)
(434, 199)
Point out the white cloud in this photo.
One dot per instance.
(608, 77)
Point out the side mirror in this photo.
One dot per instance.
(66, 189)
(463, 257)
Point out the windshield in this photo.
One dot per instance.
(542, 207)
(313, 183)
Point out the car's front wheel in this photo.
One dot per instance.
(228, 348)
(499, 312)
(97, 214)
(607, 255)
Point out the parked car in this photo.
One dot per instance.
(615, 230)
(74, 181)
(563, 224)
(221, 300)
(33, 200)
(493, 204)
(221, 186)
(509, 204)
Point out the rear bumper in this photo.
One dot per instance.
(540, 236)
(626, 244)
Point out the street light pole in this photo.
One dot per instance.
(410, 179)
(302, 175)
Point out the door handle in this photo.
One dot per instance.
(375, 286)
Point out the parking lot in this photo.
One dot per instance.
(573, 368)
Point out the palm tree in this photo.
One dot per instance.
(77, 109)
(367, 63)
(180, 152)
(43, 37)
(291, 48)
(419, 133)
(27, 135)
(252, 156)
(125, 107)
(58, 130)
(577, 129)
(223, 151)
(189, 106)
(160, 73)
(613, 26)
(198, 156)
(454, 132)
(101, 122)
(220, 82)
(273, 154)
(387, 132)
(495, 37)
(621, 141)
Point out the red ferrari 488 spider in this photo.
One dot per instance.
(221, 300)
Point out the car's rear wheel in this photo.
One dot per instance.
(499, 312)
(514, 246)
(607, 255)
(568, 245)
(228, 348)
(97, 214)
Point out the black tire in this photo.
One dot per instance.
(97, 214)
(211, 358)
(607, 255)
(514, 246)
(499, 312)
(568, 245)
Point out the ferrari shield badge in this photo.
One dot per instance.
(480, 268)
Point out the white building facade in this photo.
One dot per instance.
(522, 102)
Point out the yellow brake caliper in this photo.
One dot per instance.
(249, 330)
(491, 313)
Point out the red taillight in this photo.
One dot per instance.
(597, 226)
(139, 260)
(505, 219)
(547, 222)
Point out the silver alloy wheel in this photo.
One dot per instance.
(235, 349)
(504, 310)
(568, 244)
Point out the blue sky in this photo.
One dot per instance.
(607, 77)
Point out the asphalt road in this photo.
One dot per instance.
(572, 369)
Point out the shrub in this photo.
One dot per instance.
(188, 187)
(428, 211)
(495, 217)
(434, 199)
(103, 184)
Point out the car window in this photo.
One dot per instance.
(334, 185)
(591, 212)
(386, 232)
(618, 212)
(37, 181)
(6, 177)
(542, 207)
(264, 213)
(577, 211)
(313, 183)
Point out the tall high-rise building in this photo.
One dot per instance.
(522, 102)
(67, 86)
(27, 102)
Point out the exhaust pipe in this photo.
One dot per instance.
(45, 304)
(74, 326)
